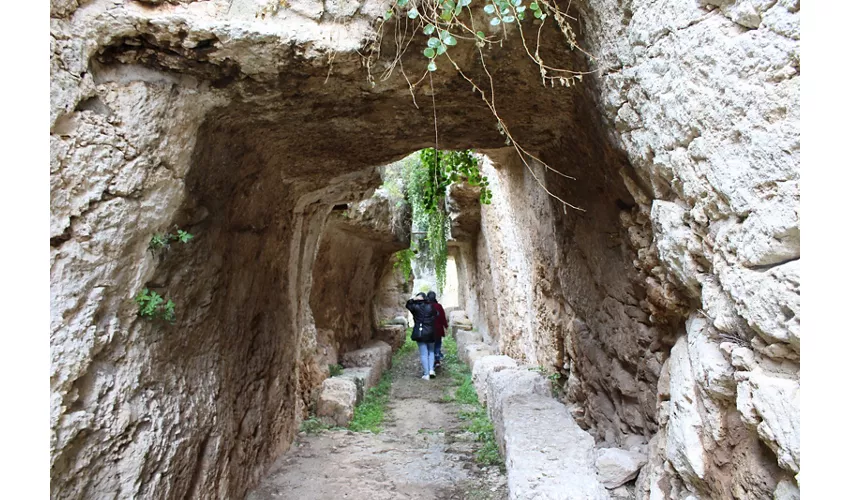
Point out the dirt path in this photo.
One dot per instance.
(423, 453)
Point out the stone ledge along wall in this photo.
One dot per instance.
(673, 309)
(237, 129)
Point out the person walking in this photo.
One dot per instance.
(440, 325)
(424, 316)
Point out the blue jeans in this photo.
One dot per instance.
(426, 356)
(438, 351)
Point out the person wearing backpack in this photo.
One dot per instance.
(424, 316)
(440, 325)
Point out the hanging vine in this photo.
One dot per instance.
(446, 23)
(427, 186)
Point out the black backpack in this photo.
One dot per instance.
(424, 315)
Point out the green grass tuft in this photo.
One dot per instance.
(408, 346)
(313, 425)
(369, 414)
(477, 421)
(465, 393)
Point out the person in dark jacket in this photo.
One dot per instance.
(440, 325)
(424, 316)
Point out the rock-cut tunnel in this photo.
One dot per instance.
(263, 138)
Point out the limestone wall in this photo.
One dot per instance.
(703, 99)
(671, 306)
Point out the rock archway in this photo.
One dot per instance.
(249, 133)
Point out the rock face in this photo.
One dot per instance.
(200, 115)
(615, 466)
(703, 100)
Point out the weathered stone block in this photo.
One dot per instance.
(486, 366)
(547, 455)
(465, 338)
(392, 334)
(375, 353)
(364, 378)
(504, 384)
(616, 467)
(336, 401)
(473, 352)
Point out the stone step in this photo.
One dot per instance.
(458, 321)
(363, 370)
(507, 383)
(465, 338)
(486, 366)
(374, 353)
(392, 334)
(364, 378)
(336, 401)
(473, 352)
(547, 455)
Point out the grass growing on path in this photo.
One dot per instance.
(369, 414)
(478, 423)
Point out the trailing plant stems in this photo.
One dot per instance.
(520, 151)
(430, 15)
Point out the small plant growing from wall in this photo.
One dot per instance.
(335, 370)
(161, 241)
(153, 307)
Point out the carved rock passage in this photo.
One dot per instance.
(198, 114)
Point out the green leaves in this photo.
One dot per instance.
(153, 306)
(413, 13)
(448, 39)
(163, 241)
(437, 45)
(495, 21)
(183, 236)
(538, 12)
(403, 261)
(490, 9)
(157, 242)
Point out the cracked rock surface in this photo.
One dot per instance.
(669, 308)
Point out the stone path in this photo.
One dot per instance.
(422, 453)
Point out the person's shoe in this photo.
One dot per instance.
(426, 377)
(437, 364)
(433, 374)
